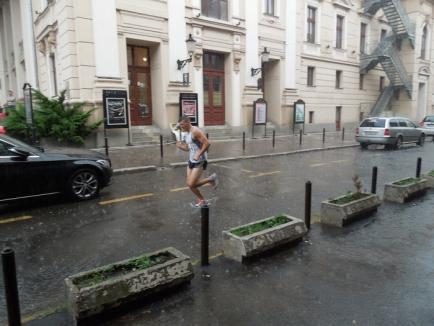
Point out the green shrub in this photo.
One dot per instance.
(16, 123)
(63, 122)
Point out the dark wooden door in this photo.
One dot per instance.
(139, 75)
(338, 117)
(214, 89)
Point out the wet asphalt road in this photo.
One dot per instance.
(375, 272)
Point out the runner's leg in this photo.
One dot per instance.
(193, 176)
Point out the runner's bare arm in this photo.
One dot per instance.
(182, 146)
(198, 134)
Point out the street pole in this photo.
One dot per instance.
(11, 288)
(204, 261)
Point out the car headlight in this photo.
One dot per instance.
(105, 163)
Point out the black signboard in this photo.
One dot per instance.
(188, 106)
(115, 106)
(299, 111)
(299, 114)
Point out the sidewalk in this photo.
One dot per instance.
(140, 158)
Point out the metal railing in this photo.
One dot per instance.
(383, 101)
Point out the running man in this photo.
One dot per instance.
(197, 144)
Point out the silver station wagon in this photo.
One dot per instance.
(389, 131)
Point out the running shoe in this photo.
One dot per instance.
(215, 180)
(200, 204)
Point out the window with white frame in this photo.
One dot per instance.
(310, 76)
(53, 73)
(363, 37)
(383, 34)
(311, 24)
(338, 82)
(270, 7)
(361, 81)
(340, 31)
(215, 9)
(423, 42)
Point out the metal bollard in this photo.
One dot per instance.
(204, 261)
(418, 167)
(244, 141)
(106, 146)
(307, 203)
(374, 180)
(301, 136)
(11, 288)
(323, 135)
(343, 133)
(161, 146)
(274, 138)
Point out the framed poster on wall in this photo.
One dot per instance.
(260, 112)
(188, 106)
(299, 112)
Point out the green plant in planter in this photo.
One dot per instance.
(260, 226)
(431, 173)
(405, 182)
(115, 270)
(351, 196)
(63, 122)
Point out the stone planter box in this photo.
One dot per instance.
(89, 300)
(429, 179)
(241, 247)
(402, 193)
(343, 214)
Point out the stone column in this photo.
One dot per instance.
(291, 43)
(105, 38)
(177, 36)
(198, 84)
(29, 43)
(3, 68)
(236, 91)
(17, 46)
(252, 41)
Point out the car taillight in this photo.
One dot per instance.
(421, 123)
(386, 132)
(357, 131)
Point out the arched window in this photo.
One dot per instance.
(423, 42)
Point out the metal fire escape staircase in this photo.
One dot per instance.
(386, 52)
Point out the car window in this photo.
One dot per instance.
(429, 118)
(4, 149)
(17, 143)
(402, 123)
(411, 124)
(376, 123)
(393, 123)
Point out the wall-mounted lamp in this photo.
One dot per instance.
(265, 57)
(191, 46)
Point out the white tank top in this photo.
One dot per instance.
(194, 146)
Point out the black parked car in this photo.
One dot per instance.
(27, 171)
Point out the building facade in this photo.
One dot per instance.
(345, 59)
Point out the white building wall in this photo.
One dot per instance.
(105, 38)
(163, 26)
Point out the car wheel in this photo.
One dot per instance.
(398, 143)
(421, 140)
(84, 184)
(364, 145)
